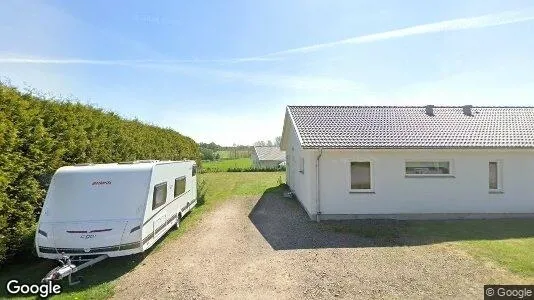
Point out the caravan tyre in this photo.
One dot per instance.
(177, 222)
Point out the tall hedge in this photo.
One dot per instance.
(38, 135)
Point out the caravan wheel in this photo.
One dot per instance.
(178, 221)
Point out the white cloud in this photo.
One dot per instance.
(291, 82)
(121, 62)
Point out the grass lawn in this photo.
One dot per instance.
(506, 242)
(214, 188)
(509, 242)
(225, 164)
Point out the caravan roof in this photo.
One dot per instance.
(103, 191)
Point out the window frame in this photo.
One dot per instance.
(451, 167)
(154, 204)
(301, 165)
(185, 186)
(371, 176)
(499, 188)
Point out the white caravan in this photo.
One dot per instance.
(113, 209)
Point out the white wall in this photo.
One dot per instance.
(301, 183)
(466, 192)
(255, 160)
(269, 163)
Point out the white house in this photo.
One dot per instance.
(268, 156)
(410, 162)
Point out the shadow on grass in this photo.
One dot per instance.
(96, 277)
(285, 225)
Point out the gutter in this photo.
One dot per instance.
(318, 185)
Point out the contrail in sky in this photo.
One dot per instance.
(490, 20)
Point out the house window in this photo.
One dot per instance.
(430, 168)
(360, 176)
(194, 171)
(301, 165)
(495, 175)
(179, 186)
(160, 195)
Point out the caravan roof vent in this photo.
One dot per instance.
(145, 161)
(429, 110)
(468, 110)
(137, 162)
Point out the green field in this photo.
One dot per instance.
(98, 283)
(232, 154)
(225, 164)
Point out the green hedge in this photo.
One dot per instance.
(247, 169)
(38, 135)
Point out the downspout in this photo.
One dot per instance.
(317, 186)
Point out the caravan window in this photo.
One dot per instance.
(160, 195)
(179, 186)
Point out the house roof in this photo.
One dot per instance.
(270, 153)
(372, 127)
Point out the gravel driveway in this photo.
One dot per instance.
(267, 248)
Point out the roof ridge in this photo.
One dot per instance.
(405, 106)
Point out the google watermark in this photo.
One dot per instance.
(44, 290)
(509, 292)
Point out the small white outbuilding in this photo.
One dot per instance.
(410, 162)
(268, 157)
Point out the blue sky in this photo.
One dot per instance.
(224, 71)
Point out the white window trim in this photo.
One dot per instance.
(499, 189)
(372, 175)
(452, 169)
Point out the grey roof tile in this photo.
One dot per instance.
(410, 127)
(270, 153)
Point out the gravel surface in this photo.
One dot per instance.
(267, 248)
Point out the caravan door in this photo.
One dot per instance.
(158, 203)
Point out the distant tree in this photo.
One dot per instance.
(277, 141)
(269, 143)
(212, 146)
(207, 154)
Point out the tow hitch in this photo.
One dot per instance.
(67, 268)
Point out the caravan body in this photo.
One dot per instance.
(114, 209)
